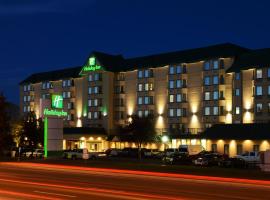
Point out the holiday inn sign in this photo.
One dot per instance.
(91, 66)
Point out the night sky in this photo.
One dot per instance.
(43, 35)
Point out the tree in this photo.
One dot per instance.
(32, 131)
(142, 130)
(6, 140)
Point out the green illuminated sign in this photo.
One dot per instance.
(57, 101)
(92, 61)
(91, 66)
(58, 113)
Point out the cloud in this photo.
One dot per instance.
(29, 7)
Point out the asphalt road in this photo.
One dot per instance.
(51, 182)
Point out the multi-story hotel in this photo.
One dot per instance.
(216, 96)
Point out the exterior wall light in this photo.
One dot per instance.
(164, 138)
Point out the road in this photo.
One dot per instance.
(54, 182)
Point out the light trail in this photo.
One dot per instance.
(146, 173)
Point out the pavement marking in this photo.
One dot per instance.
(57, 194)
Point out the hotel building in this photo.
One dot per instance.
(206, 96)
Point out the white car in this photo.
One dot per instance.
(250, 157)
(37, 153)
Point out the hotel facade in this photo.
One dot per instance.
(205, 96)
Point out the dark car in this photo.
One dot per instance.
(233, 162)
(176, 158)
(213, 159)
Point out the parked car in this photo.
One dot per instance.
(233, 162)
(209, 159)
(190, 149)
(250, 157)
(33, 153)
(78, 154)
(170, 151)
(177, 158)
(151, 153)
(113, 152)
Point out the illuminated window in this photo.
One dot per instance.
(259, 91)
(215, 64)
(178, 98)
(178, 112)
(215, 80)
(171, 98)
(259, 73)
(151, 88)
(140, 113)
(178, 69)
(215, 110)
(207, 96)
(237, 92)
(207, 110)
(171, 112)
(268, 73)
(207, 80)
(237, 110)
(171, 70)
(140, 74)
(90, 77)
(237, 76)
(140, 100)
(206, 65)
(171, 84)
(140, 86)
(268, 107)
(215, 95)
(146, 87)
(268, 92)
(178, 83)
(146, 73)
(89, 90)
(89, 115)
(259, 107)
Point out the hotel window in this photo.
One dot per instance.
(237, 110)
(215, 64)
(96, 115)
(90, 77)
(206, 111)
(215, 110)
(140, 74)
(140, 113)
(89, 102)
(89, 90)
(178, 98)
(226, 149)
(148, 100)
(140, 100)
(256, 148)
(66, 94)
(268, 92)
(24, 88)
(206, 65)
(171, 112)
(97, 77)
(146, 73)
(239, 149)
(259, 73)
(215, 80)
(207, 96)
(237, 92)
(140, 86)
(171, 98)
(259, 107)
(95, 102)
(207, 80)
(89, 115)
(146, 113)
(171, 71)
(259, 91)
(24, 98)
(178, 84)
(215, 95)
(178, 112)
(28, 98)
(151, 88)
(214, 147)
(171, 84)
(237, 76)
(70, 105)
(268, 72)
(178, 69)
